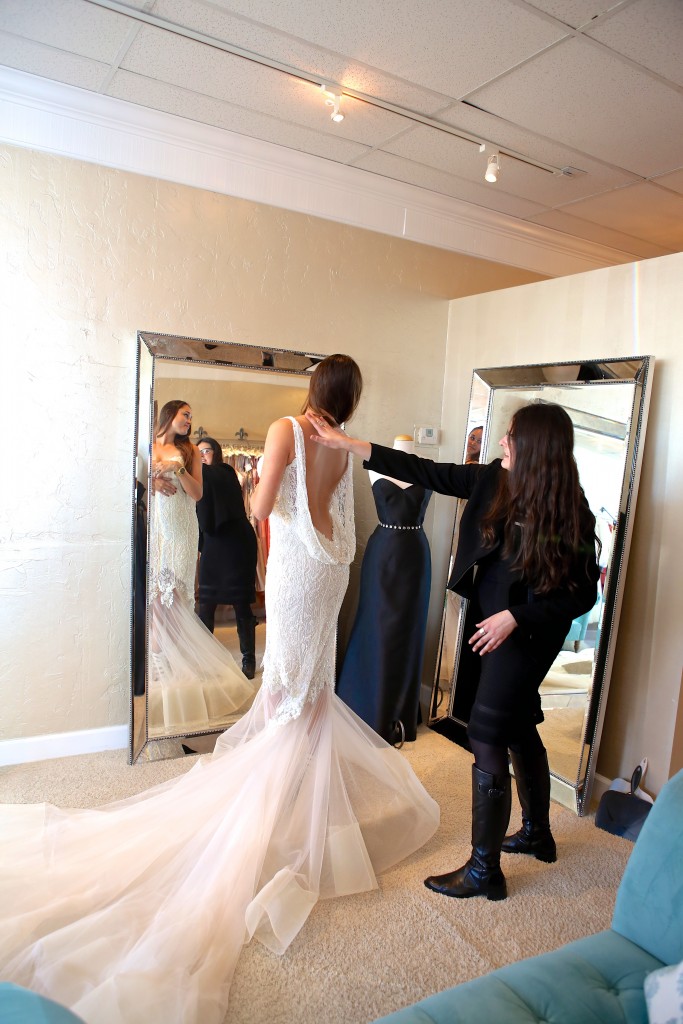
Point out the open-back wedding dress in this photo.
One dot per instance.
(137, 911)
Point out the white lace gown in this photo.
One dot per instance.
(136, 912)
(194, 682)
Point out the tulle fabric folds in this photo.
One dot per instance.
(194, 682)
(138, 911)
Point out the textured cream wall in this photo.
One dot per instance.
(90, 256)
(632, 309)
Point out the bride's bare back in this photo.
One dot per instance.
(324, 470)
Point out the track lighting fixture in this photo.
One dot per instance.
(333, 99)
(493, 167)
(333, 91)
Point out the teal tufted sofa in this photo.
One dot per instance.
(19, 1006)
(599, 979)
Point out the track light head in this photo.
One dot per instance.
(332, 99)
(492, 167)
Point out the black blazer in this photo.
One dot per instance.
(552, 612)
(221, 501)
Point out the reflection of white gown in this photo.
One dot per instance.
(193, 680)
(137, 912)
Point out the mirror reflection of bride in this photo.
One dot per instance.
(193, 679)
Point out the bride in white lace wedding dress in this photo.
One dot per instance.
(193, 680)
(137, 911)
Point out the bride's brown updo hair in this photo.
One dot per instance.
(335, 389)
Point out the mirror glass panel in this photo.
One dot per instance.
(607, 402)
(234, 392)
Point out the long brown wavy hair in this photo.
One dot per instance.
(166, 416)
(542, 494)
(335, 388)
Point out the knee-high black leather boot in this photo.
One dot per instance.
(246, 631)
(207, 613)
(533, 788)
(481, 875)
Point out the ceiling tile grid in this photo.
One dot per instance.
(39, 59)
(650, 34)
(330, 65)
(77, 28)
(450, 47)
(590, 84)
(390, 166)
(600, 98)
(184, 103)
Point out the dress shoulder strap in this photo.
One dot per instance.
(299, 446)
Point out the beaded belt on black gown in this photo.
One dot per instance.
(388, 526)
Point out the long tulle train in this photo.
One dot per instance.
(138, 911)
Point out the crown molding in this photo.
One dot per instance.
(48, 116)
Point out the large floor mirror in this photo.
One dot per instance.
(233, 392)
(607, 402)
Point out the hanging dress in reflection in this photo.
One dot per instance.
(136, 912)
(381, 674)
(194, 682)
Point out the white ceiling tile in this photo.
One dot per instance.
(559, 220)
(674, 181)
(448, 47)
(573, 12)
(68, 25)
(511, 136)
(446, 184)
(649, 32)
(36, 59)
(201, 69)
(560, 97)
(174, 100)
(281, 46)
(455, 156)
(591, 101)
(643, 210)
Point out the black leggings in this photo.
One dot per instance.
(207, 613)
(494, 759)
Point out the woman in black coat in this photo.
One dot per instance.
(227, 567)
(526, 559)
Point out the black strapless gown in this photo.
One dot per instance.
(381, 674)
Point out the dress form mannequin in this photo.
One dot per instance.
(402, 443)
(381, 674)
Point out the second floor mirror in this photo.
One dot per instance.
(607, 402)
(198, 623)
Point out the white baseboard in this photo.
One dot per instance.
(63, 744)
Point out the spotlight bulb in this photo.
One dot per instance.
(492, 168)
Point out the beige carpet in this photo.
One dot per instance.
(363, 956)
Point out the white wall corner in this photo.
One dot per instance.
(39, 114)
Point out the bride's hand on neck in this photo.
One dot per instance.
(334, 437)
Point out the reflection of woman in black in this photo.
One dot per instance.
(526, 560)
(227, 567)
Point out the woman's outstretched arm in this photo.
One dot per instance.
(443, 477)
(333, 437)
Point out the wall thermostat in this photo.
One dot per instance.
(426, 435)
